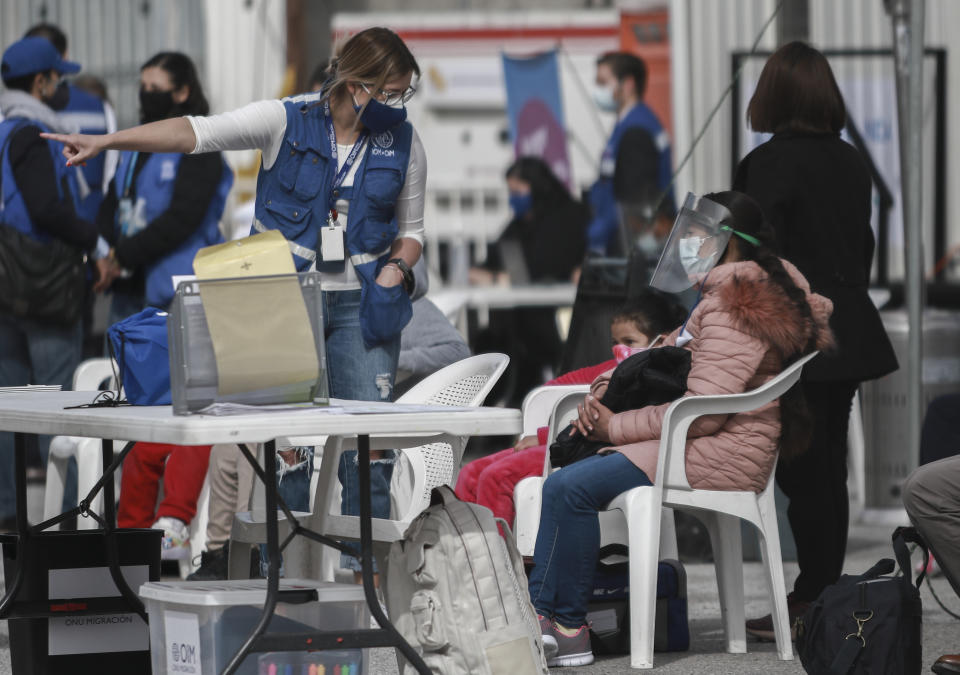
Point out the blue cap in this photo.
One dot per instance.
(34, 55)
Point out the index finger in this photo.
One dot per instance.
(62, 138)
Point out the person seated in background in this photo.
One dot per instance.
(428, 343)
(543, 243)
(639, 325)
(756, 314)
(182, 468)
(931, 495)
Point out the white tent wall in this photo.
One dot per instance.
(703, 36)
(858, 24)
(246, 56)
(112, 38)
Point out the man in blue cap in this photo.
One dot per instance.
(39, 193)
(84, 113)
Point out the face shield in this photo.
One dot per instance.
(695, 245)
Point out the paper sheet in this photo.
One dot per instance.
(261, 332)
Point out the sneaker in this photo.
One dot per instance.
(549, 637)
(573, 650)
(762, 629)
(175, 544)
(213, 565)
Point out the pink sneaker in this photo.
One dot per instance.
(549, 637)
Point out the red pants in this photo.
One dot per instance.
(489, 481)
(183, 469)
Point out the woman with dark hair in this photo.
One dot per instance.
(161, 207)
(754, 316)
(815, 190)
(543, 243)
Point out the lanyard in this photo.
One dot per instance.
(129, 178)
(351, 158)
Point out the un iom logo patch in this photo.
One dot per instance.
(384, 140)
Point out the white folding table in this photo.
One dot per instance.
(32, 413)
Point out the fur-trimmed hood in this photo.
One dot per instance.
(741, 333)
(763, 309)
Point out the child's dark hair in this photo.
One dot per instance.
(653, 312)
(795, 418)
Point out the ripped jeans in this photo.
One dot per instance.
(361, 374)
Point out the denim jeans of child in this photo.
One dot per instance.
(568, 540)
(35, 353)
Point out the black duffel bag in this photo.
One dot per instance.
(43, 281)
(868, 624)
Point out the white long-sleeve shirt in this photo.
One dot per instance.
(263, 124)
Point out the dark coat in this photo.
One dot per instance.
(651, 377)
(815, 190)
(553, 241)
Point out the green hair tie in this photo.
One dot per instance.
(743, 235)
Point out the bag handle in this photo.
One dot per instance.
(442, 494)
(900, 537)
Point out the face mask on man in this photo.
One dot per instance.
(521, 203)
(689, 250)
(60, 97)
(155, 105)
(378, 117)
(603, 97)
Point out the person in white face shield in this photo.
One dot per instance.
(636, 164)
(755, 315)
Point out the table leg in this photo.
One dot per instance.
(273, 554)
(23, 527)
(366, 558)
(109, 535)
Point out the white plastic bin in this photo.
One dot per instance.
(197, 627)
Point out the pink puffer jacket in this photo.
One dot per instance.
(743, 329)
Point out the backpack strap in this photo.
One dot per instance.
(900, 537)
(847, 656)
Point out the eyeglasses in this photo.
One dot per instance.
(391, 98)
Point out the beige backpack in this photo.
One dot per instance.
(457, 592)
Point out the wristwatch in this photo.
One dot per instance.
(408, 280)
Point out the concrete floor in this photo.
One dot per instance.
(867, 544)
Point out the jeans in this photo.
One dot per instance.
(568, 540)
(35, 353)
(293, 487)
(362, 374)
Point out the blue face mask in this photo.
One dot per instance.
(378, 117)
(521, 203)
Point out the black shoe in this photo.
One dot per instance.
(213, 565)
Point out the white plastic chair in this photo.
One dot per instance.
(560, 403)
(417, 471)
(91, 375)
(719, 511)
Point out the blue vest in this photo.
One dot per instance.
(293, 196)
(154, 184)
(14, 211)
(603, 227)
(86, 113)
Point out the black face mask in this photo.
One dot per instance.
(156, 105)
(60, 97)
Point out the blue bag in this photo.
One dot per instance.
(609, 610)
(139, 346)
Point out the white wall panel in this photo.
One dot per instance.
(112, 38)
(704, 35)
(855, 24)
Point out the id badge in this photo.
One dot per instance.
(331, 242)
